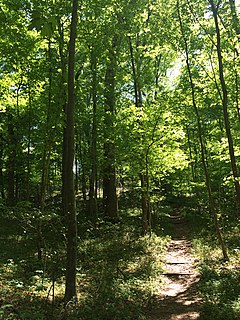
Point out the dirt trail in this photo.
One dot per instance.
(177, 298)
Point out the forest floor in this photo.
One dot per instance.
(121, 275)
(177, 299)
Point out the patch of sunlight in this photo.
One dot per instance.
(237, 2)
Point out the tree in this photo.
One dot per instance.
(109, 166)
(69, 201)
(212, 208)
(225, 107)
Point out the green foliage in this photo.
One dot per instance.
(219, 284)
(118, 271)
(221, 293)
(117, 268)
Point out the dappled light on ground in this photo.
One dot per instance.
(177, 299)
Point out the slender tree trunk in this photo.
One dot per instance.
(47, 148)
(93, 177)
(236, 62)
(225, 108)
(109, 171)
(190, 154)
(46, 156)
(1, 167)
(11, 164)
(83, 173)
(144, 178)
(76, 168)
(146, 220)
(63, 106)
(18, 165)
(29, 141)
(235, 20)
(69, 192)
(212, 208)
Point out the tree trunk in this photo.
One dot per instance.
(146, 220)
(1, 167)
(109, 170)
(190, 154)
(29, 141)
(76, 169)
(225, 108)
(83, 175)
(69, 192)
(236, 62)
(212, 208)
(93, 176)
(63, 106)
(11, 165)
(235, 20)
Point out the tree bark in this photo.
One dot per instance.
(93, 176)
(83, 175)
(1, 167)
(29, 141)
(212, 208)
(190, 154)
(225, 108)
(11, 163)
(109, 170)
(76, 168)
(69, 192)
(48, 139)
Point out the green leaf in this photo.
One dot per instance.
(46, 30)
(36, 23)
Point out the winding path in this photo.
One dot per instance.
(177, 299)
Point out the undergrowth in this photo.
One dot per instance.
(118, 270)
(220, 280)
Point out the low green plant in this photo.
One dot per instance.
(119, 273)
(118, 270)
(220, 280)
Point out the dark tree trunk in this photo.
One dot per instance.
(190, 154)
(69, 190)
(1, 168)
(29, 141)
(146, 218)
(49, 136)
(63, 106)
(225, 108)
(76, 169)
(93, 176)
(109, 170)
(11, 163)
(236, 62)
(83, 174)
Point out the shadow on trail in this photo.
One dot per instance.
(176, 307)
(177, 299)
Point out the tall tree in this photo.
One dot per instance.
(68, 165)
(93, 175)
(109, 167)
(225, 106)
(212, 208)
